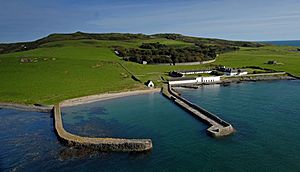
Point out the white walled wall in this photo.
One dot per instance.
(183, 82)
(199, 80)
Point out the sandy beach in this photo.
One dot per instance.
(77, 101)
(105, 96)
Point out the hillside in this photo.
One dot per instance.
(63, 66)
(25, 46)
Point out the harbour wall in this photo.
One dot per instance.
(218, 127)
(97, 144)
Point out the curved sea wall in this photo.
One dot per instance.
(218, 127)
(99, 144)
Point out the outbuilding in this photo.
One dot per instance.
(150, 84)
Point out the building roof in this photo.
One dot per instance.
(148, 82)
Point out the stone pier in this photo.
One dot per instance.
(218, 127)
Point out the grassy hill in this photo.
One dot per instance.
(63, 66)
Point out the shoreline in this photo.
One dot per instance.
(76, 101)
(29, 108)
(105, 96)
(237, 80)
(257, 78)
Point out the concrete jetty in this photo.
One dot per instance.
(218, 127)
(98, 144)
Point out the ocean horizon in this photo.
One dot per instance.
(286, 42)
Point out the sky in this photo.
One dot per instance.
(253, 20)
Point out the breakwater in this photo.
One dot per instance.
(98, 144)
(218, 127)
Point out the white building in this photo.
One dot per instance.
(235, 72)
(243, 73)
(117, 52)
(198, 80)
(150, 84)
(208, 79)
(184, 80)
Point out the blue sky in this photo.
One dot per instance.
(22, 20)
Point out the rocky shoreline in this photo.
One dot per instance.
(258, 78)
(232, 80)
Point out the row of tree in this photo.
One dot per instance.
(161, 53)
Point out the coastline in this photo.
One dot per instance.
(236, 80)
(30, 108)
(105, 96)
(258, 78)
(76, 101)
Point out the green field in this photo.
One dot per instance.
(287, 57)
(67, 69)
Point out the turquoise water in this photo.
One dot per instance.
(289, 43)
(265, 114)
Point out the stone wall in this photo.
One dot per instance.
(218, 127)
(99, 144)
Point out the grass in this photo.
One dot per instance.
(68, 69)
(289, 58)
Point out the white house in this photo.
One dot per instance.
(235, 72)
(243, 73)
(150, 84)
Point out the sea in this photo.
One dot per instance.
(265, 115)
(289, 43)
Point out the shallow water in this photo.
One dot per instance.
(265, 114)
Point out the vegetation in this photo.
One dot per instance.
(25, 46)
(160, 53)
(66, 69)
(259, 56)
(209, 41)
(72, 65)
(153, 53)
